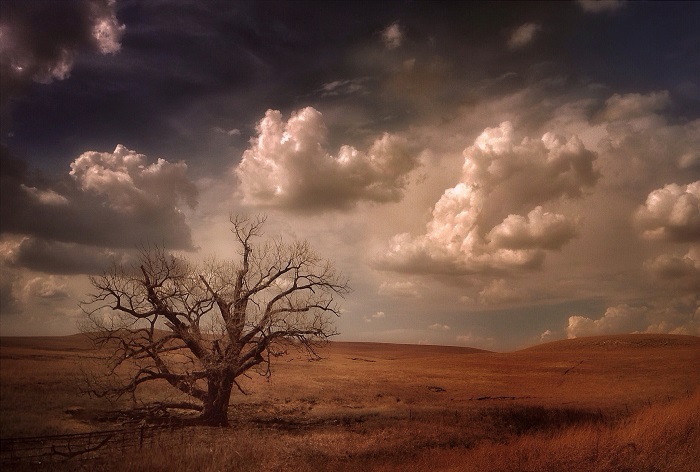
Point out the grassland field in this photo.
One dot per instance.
(614, 403)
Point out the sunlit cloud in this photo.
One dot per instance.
(523, 35)
(634, 105)
(288, 166)
(476, 225)
(108, 200)
(393, 36)
(676, 316)
(671, 213)
(130, 184)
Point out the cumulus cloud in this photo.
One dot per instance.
(130, 184)
(523, 35)
(46, 287)
(538, 229)
(681, 271)
(476, 226)
(677, 316)
(392, 36)
(288, 166)
(634, 105)
(600, 6)
(642, 146)
(41, 40)
(671, 213)
(109, 200)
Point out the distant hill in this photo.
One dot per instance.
(619, 341)
(593, 343)
(59, 343)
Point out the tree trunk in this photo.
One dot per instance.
(215, 412)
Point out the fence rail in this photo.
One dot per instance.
(84, 446)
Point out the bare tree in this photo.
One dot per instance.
(200, 327)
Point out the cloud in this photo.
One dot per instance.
(288, 166)
(538, 230)
(677, 316)
(600, 6)
(523, 35)
(476, 225)
(634, 105)
(392, 36)
(378, 315)
(45, 197)
(110, 200)
(130, 184)
(681, 271)
(501, 291)
(344, 87)
(228, 132)
(398, 289)
(41, 40)
(63, 258)
(671, 213)
(547, 336)
(46, 287)
(439, 327)
(641, 145)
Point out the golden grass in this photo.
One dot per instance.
(613, 403)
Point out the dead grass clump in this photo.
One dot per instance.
(660, 437)
(527, 419)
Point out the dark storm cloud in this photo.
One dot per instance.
(41, 39)
(64, 258)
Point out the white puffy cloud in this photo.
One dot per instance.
(671, 213)
(476, 225)
(287, 165)
(539, 229)
(676, 316)
(523, 35)
(130, 184)
(109, 200)
(392, 36)
(547, 336)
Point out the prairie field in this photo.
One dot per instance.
(614, 403)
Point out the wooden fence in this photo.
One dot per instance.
(83, 446)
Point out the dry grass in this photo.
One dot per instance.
(613, 403)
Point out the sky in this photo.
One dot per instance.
(492, 175)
